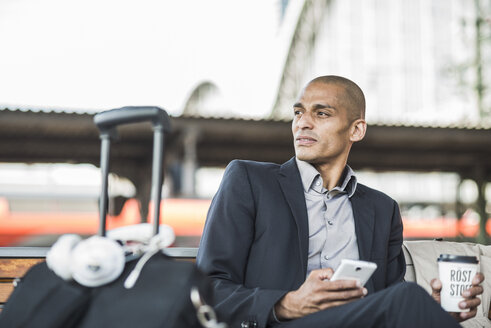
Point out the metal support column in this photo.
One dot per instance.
(483, 237)
(190, 164)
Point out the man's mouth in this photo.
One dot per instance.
(304, 140)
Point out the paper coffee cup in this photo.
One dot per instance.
(456, 274)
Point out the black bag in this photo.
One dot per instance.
(166, 293)
(161, 297)
(42, 299)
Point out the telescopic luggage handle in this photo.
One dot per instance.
(106, 123)
(132, 114)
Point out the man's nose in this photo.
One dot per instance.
(305, 121)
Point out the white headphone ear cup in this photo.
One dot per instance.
(167, 236)
(59, 256)
(97, 261)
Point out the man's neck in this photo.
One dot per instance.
(331, 173)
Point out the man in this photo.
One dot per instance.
(274, 233)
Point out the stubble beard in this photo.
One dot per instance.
(306, 155)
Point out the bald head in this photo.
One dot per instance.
(352, 97)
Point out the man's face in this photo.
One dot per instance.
(321, 128)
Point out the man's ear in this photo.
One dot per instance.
(358, 130)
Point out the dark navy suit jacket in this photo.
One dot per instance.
(255, 241)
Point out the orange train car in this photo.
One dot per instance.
(186, 216)
(18, 228)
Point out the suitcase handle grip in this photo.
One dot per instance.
(132, 114)
(107, 123)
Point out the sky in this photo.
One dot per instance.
(93, 55)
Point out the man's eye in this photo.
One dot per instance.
(322, 113)
(297, 112)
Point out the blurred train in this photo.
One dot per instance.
(24, 226)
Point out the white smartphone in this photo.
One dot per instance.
(354, 270)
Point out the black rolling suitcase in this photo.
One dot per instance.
(97, 284)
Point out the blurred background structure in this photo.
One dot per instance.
(228, 73)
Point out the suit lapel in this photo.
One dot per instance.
(363, 213)
(291, 185)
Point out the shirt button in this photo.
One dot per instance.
(326, 257)
(318, 183)
(330, 223)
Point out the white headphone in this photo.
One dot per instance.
(143, 233)
(93, 262)
(98, 260)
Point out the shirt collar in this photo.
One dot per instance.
(310, 176)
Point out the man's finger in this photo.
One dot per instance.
(342, 285)
(473, 291)
(330, 296)
(466, 315)
(478, 278)
(322, 274)
(436, 287)
(471, 303)
(436, 284)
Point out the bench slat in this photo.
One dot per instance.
(6, 289)
(14, 268)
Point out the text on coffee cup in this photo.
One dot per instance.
(460, 281)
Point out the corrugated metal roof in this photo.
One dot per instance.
(463, 125)
(61, 136)
(49, 110)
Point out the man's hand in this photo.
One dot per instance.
(470, 301)
(316, 294)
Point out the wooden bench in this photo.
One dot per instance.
(16, 261)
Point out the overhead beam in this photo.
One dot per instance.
(72, 138)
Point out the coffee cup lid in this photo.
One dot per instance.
(457, 258)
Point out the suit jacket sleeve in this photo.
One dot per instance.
(224, 250)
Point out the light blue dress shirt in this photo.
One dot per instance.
(331, 223)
